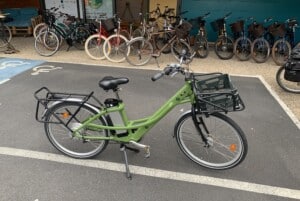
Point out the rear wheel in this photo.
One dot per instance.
(81, 35)
(178, 46)
(226, 143)
(293, 87)
(63, 138)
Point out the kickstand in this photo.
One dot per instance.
(155, 57)
(123, 149)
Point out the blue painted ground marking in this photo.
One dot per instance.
(10, 67)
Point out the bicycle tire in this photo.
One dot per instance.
(293, 87)
(260, 50)
(81, 34)
(215, 155)
(242, 48)
(46, 43)
(281, 51)
(140, 52)
(5, 36)
(37, 29)
(201, 46)
(94, 46)
(224, 47)
(177, 46)
(61, 137)
(162, 40)
(115, 48)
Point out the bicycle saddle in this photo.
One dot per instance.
(110, 82)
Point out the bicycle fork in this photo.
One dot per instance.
(197, 123)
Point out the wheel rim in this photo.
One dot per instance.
(222, 152)
(289, 86)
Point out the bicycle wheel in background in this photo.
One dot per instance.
(80, 36)
(293, 87)
(242, 48)
(227, 145)
(94, 46)
(37, 29)
(115, 48)
(5, 36)
(177, 46)
(281, 51)
(260, 50)
(224, 47)
(162, 40)
(140, 52)
(46, 43)
(63, 139)
(201, 46)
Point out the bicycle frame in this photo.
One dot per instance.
(136, 129)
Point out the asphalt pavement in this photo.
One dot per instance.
(32, 169)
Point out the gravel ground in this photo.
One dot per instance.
(210, 64)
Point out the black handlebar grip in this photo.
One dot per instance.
(157, 76)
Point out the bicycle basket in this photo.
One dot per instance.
(257, 30)
(182, 31)
(217, 24)
(217, 94)
(277, 29)
(109, 24)
(237, 27)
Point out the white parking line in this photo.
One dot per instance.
(3, 81)
(151, 172)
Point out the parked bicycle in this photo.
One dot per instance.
(260, 48)
(80, 129)
(284, 34)
(224, 43)
(47, 42)
(5, 32)
(141, 50)
(242, 44)
(201, 44)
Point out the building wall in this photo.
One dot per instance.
(279, 10)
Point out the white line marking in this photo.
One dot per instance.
(151, 172)
(281, 103)
(3, 81)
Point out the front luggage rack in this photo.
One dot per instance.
(46, 99)
(216, 93)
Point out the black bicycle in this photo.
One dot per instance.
(5, 33)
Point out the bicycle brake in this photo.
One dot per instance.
(142, 146)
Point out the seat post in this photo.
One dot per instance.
(117, 93)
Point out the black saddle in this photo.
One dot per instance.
(110, 82)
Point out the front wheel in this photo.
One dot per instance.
(226, 145)
(81, 35)
(293, 87)
(242, 48)
(115, 48)
(5, 36)
(260, 50)
(46, 43)
(63, 138)
(281, 51)
(140, 51)
(94, 46)
(178, 46)
(201, 46)
(224, 47)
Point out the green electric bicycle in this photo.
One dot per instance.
(81, 126)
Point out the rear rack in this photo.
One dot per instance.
(46, 99)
